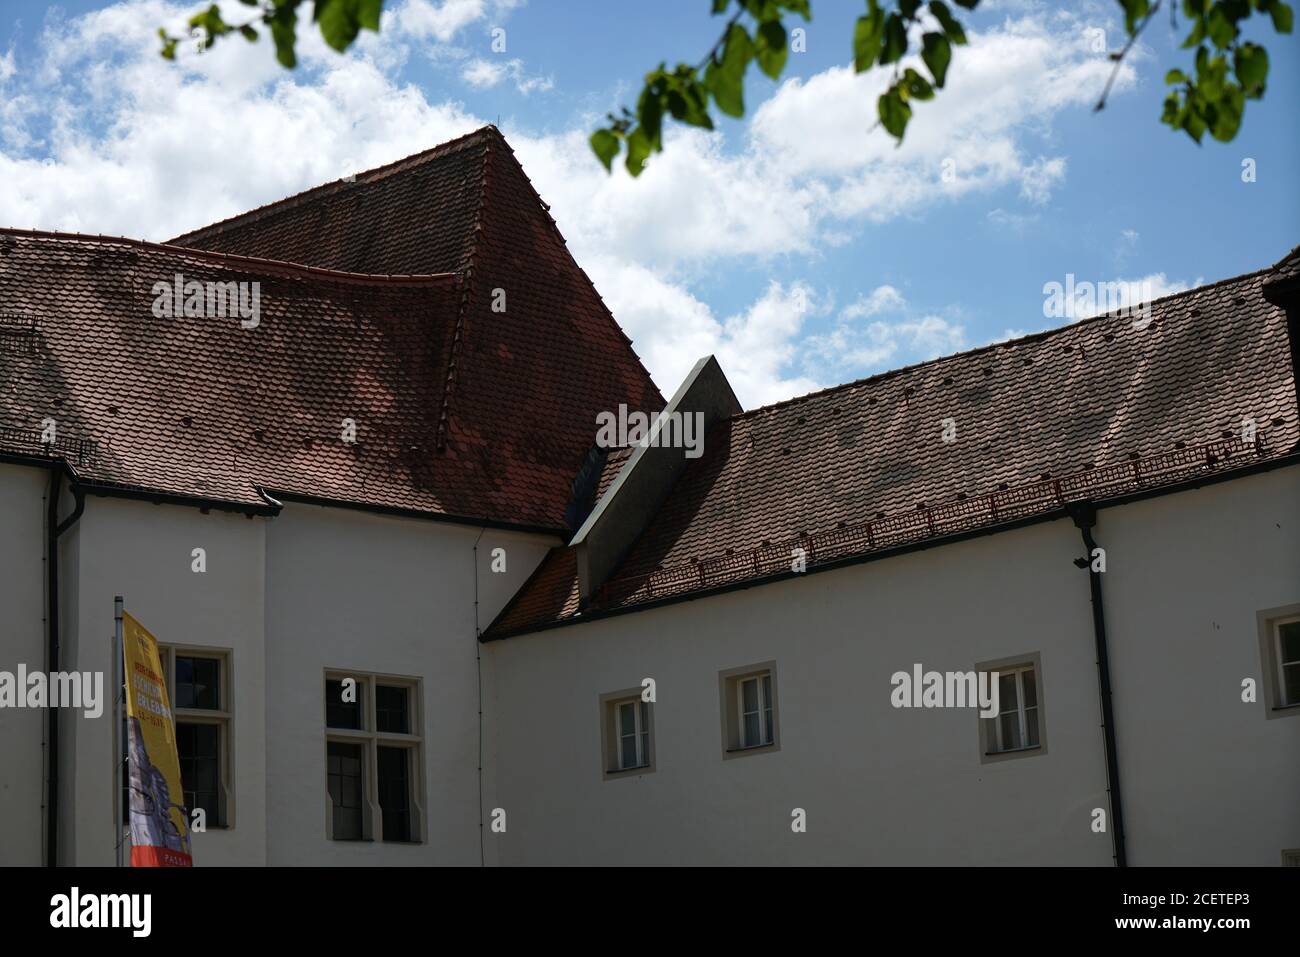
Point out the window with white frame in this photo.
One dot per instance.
(199, 687)
(626, 732)
(373, 756)
(754, 703)
(1279, 652)
(1017, 726)
(750, 716)
(1286, 636)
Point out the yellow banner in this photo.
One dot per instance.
(159, 823)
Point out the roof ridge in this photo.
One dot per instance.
(988, 347)
(444, 148)
(233, 259)
(462, 312)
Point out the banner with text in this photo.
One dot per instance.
(159, 825)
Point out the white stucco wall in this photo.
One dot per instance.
(142, 552)
(1207, 779)
(22, 640)
(356, 591)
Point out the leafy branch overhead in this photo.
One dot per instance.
(916, 39)
(1228, 71)
(339, 20)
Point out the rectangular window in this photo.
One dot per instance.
(346, 785)
(1018, 727)
(626, 728)
(1288, 662)
(749, 709)
(373, 753)
(395, 793)
(391, 709)
(1279, 647)
(198, 686)
(343, 704)
(756, 711)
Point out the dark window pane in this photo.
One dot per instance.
(395, 793)
(198, 683)
(198, 748)
(344, 781)
(1290, 641)
(392, 706)
(1031, 690)
(340, 713)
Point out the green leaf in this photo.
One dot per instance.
(1251, 65)
(1227, 115)
(727, 89)
(867, 34)
(937, 54)
(1222, 31)
(1175, 76)
(915, 86)
(1134, 11)
(968, 4)
(1282, 17)
(638, 151)
(738, 49)
(284, 32)
(604, 143)
(951, 27)
(368, 14)
(908, 8)
(895, 40)
(894, 113)
(772, 49)
(1196, 36)
(650, 116)
(338, 22)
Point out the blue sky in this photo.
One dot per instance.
(797, 244)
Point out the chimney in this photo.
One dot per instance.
(634, 497)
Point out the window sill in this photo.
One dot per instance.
(610, 774)
(994, 754)
(752, 749)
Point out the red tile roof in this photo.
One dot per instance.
(1097, 409)
(463, 411)
(203, 408)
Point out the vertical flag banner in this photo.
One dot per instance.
(159, 825)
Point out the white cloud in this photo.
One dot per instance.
(1007, 82)
(855, 347)
(484, 74)
(99, 134)
(1039, 178)
(424, 19)
(671, 329)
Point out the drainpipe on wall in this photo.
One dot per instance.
(53, 530)
(1085, 518)
(478, 671)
